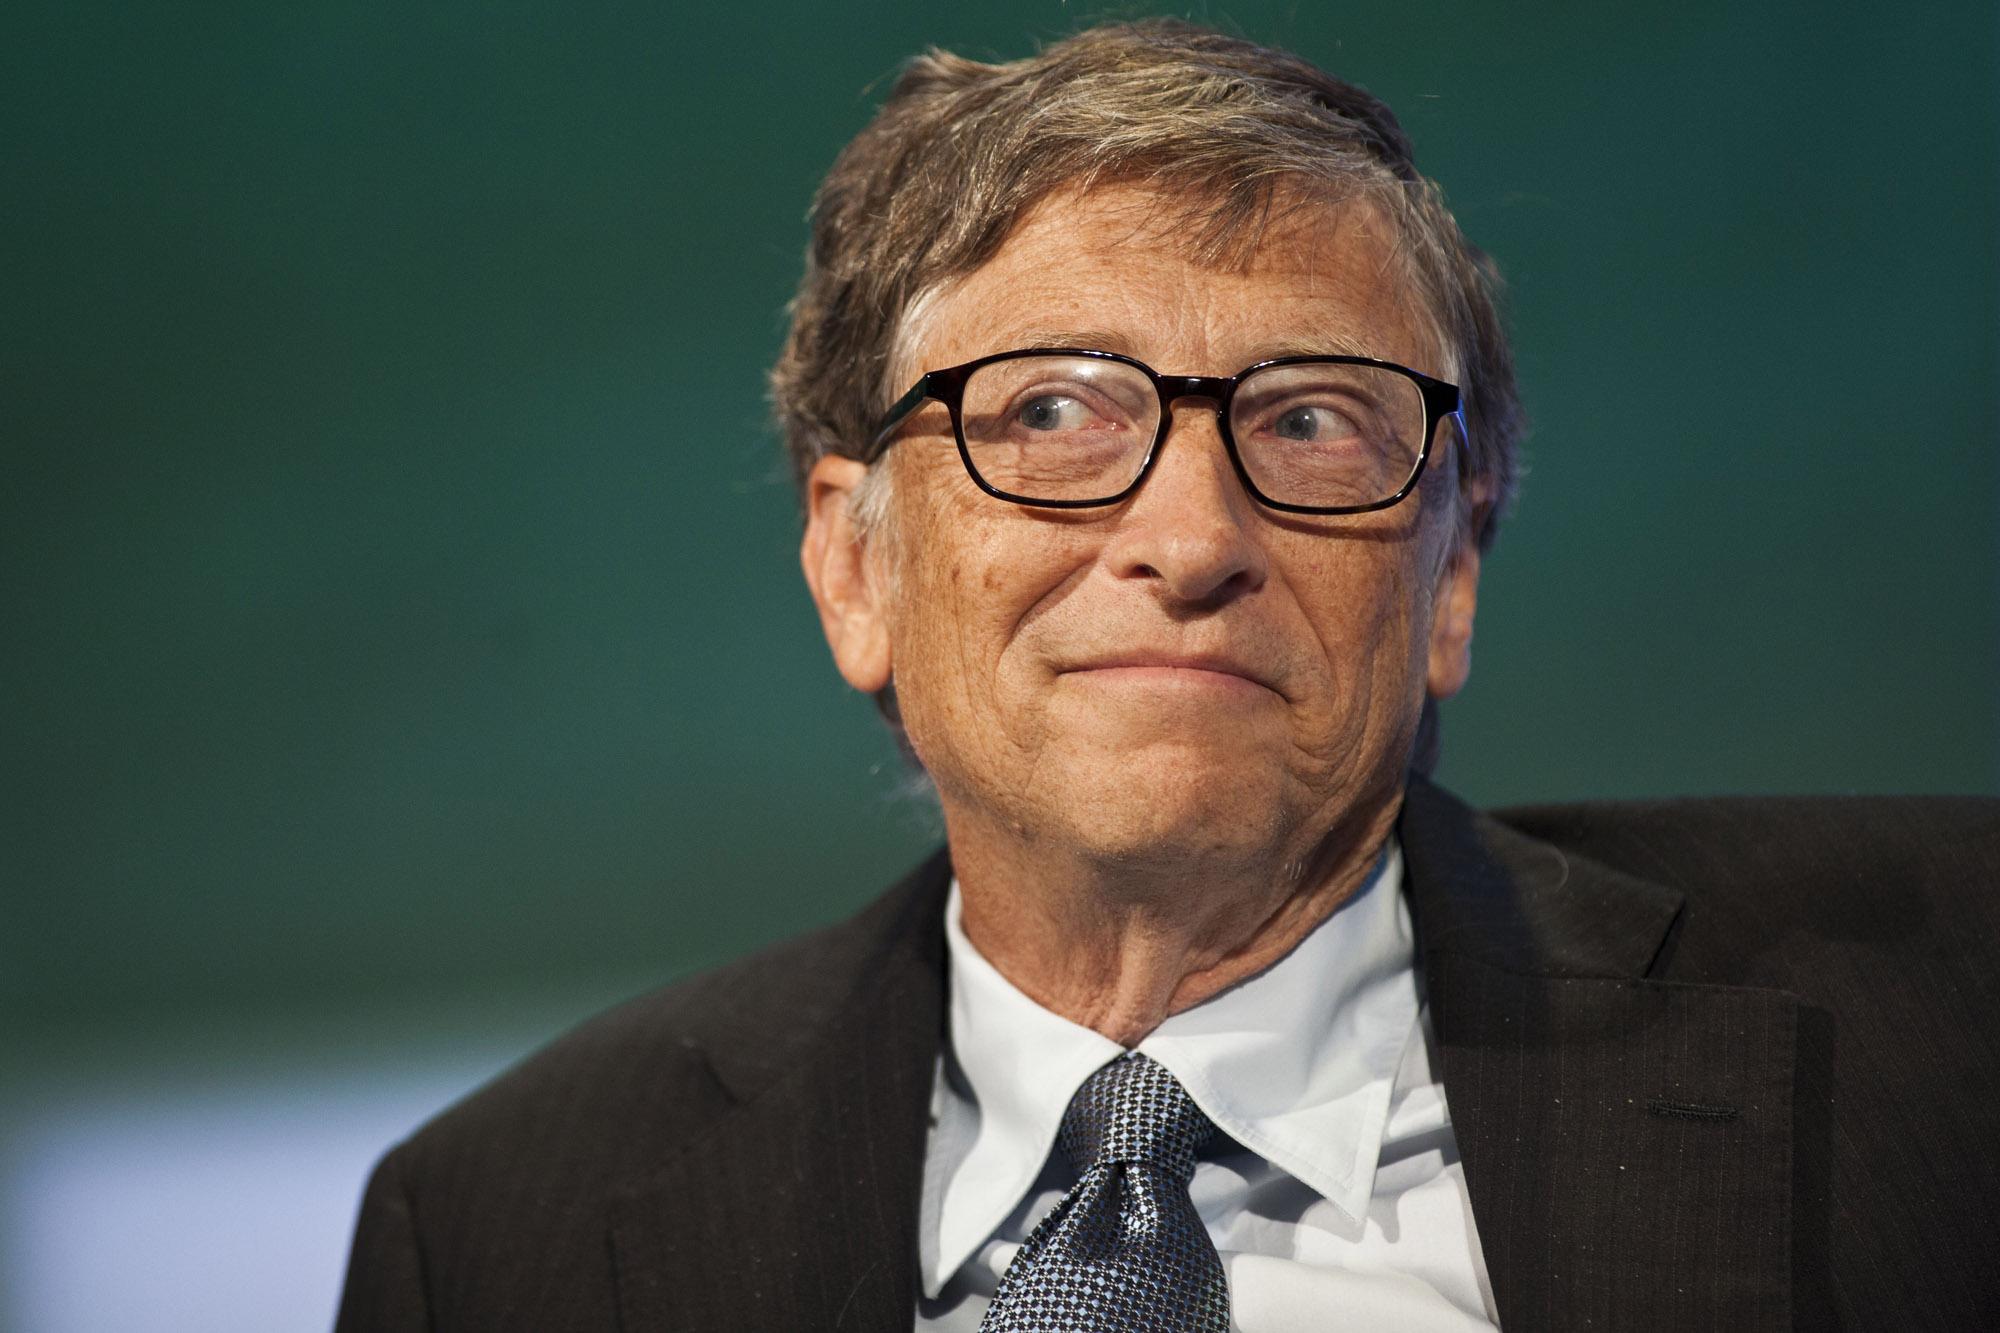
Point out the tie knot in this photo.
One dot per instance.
(1133, 1110)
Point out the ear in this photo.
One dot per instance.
(1451, 621)
(843, 580)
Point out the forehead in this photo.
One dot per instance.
(1117, 268)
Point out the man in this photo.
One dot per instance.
(1152, 416)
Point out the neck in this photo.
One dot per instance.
(1119, 945)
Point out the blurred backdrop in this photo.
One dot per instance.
(403, 652)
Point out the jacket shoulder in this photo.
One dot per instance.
(1799, 875)
(609, 1096)
(1889, 820)
(1918, 838)
(465, 1222)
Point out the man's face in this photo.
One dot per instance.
(1185, 673)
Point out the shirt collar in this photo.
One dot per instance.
(1297, 1064)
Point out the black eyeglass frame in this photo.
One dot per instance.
(947, 386)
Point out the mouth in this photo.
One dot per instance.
(1173, 671)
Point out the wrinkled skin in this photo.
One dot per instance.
(1170, 735)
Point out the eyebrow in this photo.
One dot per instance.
(1315, 342)
(1101, 340)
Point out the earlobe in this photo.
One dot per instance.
(1451, 624)
(843, 580)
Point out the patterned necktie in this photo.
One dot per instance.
(1124, 1249)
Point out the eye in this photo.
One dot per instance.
(1314, 425)
(1053, 411)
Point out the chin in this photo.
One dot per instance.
(1162, 808)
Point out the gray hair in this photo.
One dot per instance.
(1231, 134)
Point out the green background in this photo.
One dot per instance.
(401, 619)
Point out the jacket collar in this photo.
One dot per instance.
(798, 1209)
(1626, 1141)
(1479, 889)
(1553, 1047)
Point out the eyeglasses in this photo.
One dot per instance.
(1068, 428)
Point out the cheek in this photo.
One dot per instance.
(1358, 594)
(971, 583)
(1369, 614)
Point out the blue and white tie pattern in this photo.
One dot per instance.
(1124, 1249)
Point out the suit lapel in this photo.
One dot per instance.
(799, 1210)
(1626, 1141)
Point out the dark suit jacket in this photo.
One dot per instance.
(1711, 1064)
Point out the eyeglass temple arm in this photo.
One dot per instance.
(894, 417)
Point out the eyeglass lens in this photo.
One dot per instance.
(1319, 434)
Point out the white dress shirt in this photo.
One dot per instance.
(1333, 1192)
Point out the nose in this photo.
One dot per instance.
(1191, 525)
